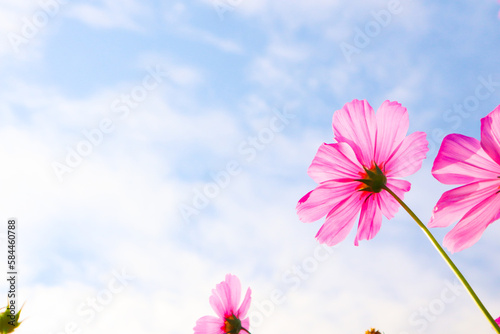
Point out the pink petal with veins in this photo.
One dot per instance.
(462, 160)
(320, 201)
(356, 125)
(455, 203)
(209, 325)
(490, 134)
(370, 219)
(392, 126)
(407, 158)
(470, 228)
(340, 220)
(334, 161)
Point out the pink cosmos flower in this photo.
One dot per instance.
(476, 164)
(372, 151)
(498, 321)
(224, 301)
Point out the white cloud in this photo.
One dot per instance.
(203, 36)
(110, 14)
(292, 13)
(22, 24)
(175, 13)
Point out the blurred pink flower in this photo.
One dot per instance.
(371, 152)
(498, 319)
(476, 164)
(224, 300)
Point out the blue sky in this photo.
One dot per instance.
(115, 118)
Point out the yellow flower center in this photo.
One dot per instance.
(232, 325)
(373, 331)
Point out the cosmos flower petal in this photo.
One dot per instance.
(388, 204)
(408, 156)
(370, 219)
(209, 325)
(455, 203)
(233, 291)
(490, 134)
(226, 295)
(245, 323)
(392, 126)
(355, 124)
(398, 186)
(498, 319)
(318, 202)
(340, 220)
(217, 305)
(242, 311)
(334, 161)
(461, 160)
(224, 300)
(470, 228)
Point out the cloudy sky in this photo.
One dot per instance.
(150, 147)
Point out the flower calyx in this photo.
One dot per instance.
(374, 180)
(232, 325)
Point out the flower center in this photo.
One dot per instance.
(374, 180)
(372, 331)
(232, 325)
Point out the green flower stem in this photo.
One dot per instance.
(447, 259)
